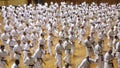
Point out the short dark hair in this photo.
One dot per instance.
(17, 61)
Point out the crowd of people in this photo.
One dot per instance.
(29, 30)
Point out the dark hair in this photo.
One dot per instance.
(2, 46)
(17, 62)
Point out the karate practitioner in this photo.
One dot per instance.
(67, 46)
(38, 55)
(29, 61)
(16, 64)
(89, 46)
(99, 55)
(86, 62)
(18, 50)
(108, 60)
(3, 55)
(11, 42)
(59, 49)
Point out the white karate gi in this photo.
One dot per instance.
(72, 39)
(50, 44)
(108, 61)
(59, 48)
(118, 53)
(14, 34)
(24, 39)
(4, 38)
(17, 48)
(8, 28)
(3, 55)
(11, 42)
(81, 35)
(26, 49)
(34, 38)
(15, 66)
(38, 56)
(99, 56)
(89, 47)
(67, 46)
(29, 62)
(28, 31)
(110, 37)
(85, 63)
(61, 35)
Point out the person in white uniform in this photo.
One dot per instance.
(108, 59)
(11, 42)
(17, 50)
(29, 61)
(110, 36)
(16, 64)
(50, 43)
(86, 62)
(58, 49)
(27, 48)
(4, 37)
(99, 55)
(3, 55)
(81, 34)
(72, 38)
(67, 46)
(115, 43)
(14, 33)
(42, 43)
(89, 46)
(38, 57)
(118, 53)
(24, 38)
(34, 38)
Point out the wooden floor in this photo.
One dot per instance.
(80, 53)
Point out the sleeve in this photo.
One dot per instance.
(82, 64)
(14, 49)
(92, 60)
(35, 54)
(26, 62)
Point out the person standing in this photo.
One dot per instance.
(118, 53)
(67, 46)
(59, 48)
(29, 61)
(99, 55)
(89, 46)
(38, 55)
(17, 50)
(86, 62)
(108, 59)
(16, 64)
(3, 55)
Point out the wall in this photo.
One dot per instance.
(13, 2)
(88, 1)
(20, 2)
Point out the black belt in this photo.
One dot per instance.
(3, 60)
(32, 65)
(27, 50)
(12, 46)
(59, 53)
(100, 54)
(4, 40)
(89, 47)
(18, 53)
(110, 62)
(118, 51)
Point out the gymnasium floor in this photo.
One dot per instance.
(80, 53)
